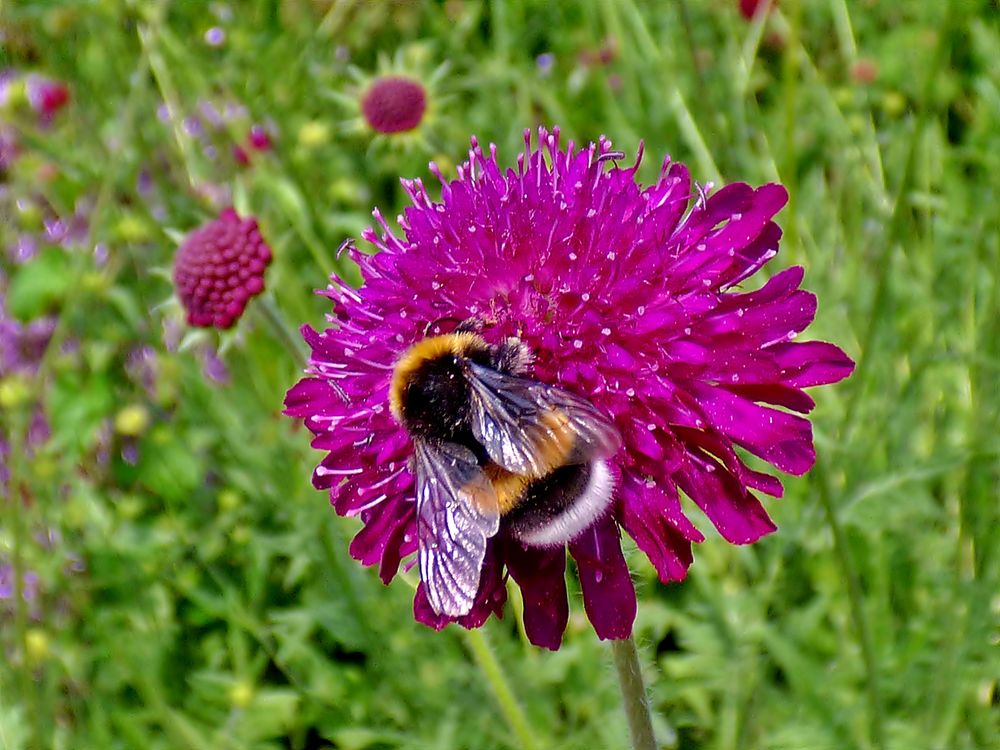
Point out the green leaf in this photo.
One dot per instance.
(39, 286)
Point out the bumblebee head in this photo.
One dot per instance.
(428, 387)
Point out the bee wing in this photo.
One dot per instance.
(457, 511)
(530, 428)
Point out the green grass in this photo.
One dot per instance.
(203, 597)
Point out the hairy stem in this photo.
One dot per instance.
(634, 698)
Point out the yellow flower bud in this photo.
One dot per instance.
(313, 133)
(14, 391)
(241, 694)
(229, 500)
(36, 643)
(132, 421)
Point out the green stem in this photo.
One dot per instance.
(856, 602)
(790, 89)
(699, 69)
(479, 645)
(15, 509)
(275, 319)
(634, 696)
(165, 85)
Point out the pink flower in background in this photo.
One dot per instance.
(46, 96)
(259, 139)
(627, 295)
(394, 104)
(219, 268)
(750, 8)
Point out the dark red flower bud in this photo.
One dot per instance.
(219, 268)
(47, 97)
(258, 139)
(749, 8)
(394, 104)
(240, 155)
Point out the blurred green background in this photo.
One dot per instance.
(187, 588)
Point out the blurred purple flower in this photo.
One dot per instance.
(545, 63)
(22, 344)
(627, 295)
(215, 37)
(9, 147)
(8, 76)
(213, 367)
(193, 127)
(141, 367)
(29, 583)
(23, 249)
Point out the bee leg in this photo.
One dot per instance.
(513, 357)
(470, 325)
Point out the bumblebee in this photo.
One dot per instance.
(493, 448)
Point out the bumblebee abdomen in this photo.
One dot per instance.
(510, 488)
(555, 509)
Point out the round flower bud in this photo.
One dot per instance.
(219, 268)
(36, 642)
(241, 694)
(46, 96)
(749, 8)
(132, 421)
(394, 104)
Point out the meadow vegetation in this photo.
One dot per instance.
(184, 585)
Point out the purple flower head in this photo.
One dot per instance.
(545, 62)
(215, 37)
(219, 268)
(22, 345)
(29, 583)
(394, 104)
(142, 368)
(627, 296)
(9, 147)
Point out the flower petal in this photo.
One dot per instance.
(778, 437)
(608, 594)
(734, 511)
(652, 516)
(489, 601)
(541, 574)
(811, 363)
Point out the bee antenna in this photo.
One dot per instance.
(611, 156)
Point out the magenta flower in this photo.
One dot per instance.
(259, 139)
(47, 96)
(394, 104)
(219, 268)
(627, 296)
(750, 8)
